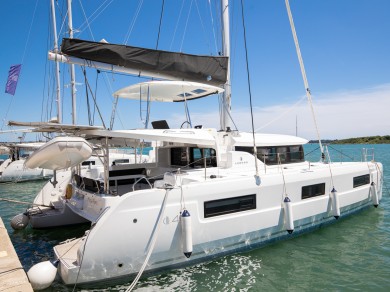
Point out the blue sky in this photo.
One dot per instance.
(345, 45)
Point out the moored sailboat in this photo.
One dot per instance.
(206, 195)
(13, 168)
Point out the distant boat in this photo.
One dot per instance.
(13, 168)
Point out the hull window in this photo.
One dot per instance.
(361, 180)
(229, 205)
(313, 191)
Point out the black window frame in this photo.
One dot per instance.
(88, 162)
(229, 205)
(193, 157)
(269, 154)
(311, 191)
(361, 180)
(179, 156)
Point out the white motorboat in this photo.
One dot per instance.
(208, 193)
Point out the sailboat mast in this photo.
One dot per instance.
(226, 97)
(72, 73)
(58, 92)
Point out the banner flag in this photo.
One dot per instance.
(13, 76)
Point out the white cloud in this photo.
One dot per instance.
(339, 115)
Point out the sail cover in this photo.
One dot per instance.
(204, 69)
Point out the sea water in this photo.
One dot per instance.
(352, 255)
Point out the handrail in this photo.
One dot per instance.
(141, 178)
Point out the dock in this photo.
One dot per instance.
(12, 275)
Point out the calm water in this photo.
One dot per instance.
(352, 255)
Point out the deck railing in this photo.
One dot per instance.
(340, 153)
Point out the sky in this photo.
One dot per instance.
(345, 45)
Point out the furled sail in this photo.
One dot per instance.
(204, 69)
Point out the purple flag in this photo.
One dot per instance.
(13, 76)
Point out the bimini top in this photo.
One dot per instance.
(167, 91)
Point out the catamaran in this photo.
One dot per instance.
(209, 192)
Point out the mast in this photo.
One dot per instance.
(58, 92)
(72, 73)
(226, 97)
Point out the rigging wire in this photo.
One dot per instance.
(29, 31)
(87, 98)
(86, 21)
(94, 97)
(177, 24)
(250, 95)
(282, 114)
(159, 27)
(93, 17)
(96, 87)
(106, 80)
(306, 83)
(203, 28)
(223, 107)
(63, 16)
(212, 25)
(127, 37)
(185, 27)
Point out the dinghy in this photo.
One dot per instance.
(60, 153)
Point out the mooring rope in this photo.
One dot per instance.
(152, 243)
(21, 202)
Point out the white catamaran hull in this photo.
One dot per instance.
(132, 218)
